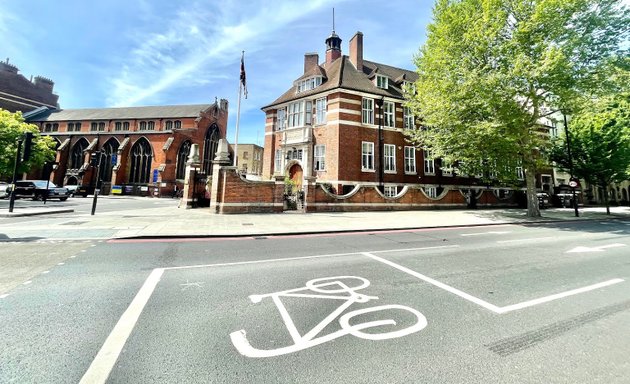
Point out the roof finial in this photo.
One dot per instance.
(333, 22)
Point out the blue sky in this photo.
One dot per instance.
(158, 52)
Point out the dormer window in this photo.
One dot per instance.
(308, 84)
(409, 87)
(382, 81)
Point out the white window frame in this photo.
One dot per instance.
(447, 168)
(308, 112)
(295, 114)
(382, 81)
(431, 192)
(520, 173)
(390, 190)
(429, 163)
(278, 161)
(281, 119)
(410, 160)
(409, 85)
(389, 115)
(308, 84)
(389, 158)
(319, 158)
(367, 111)
(320, 110)
(367, 156)
(408, 118)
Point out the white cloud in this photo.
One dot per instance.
(198, 40)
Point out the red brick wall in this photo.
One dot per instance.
(248, 196)
(237, 195)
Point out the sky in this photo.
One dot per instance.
(121, 53)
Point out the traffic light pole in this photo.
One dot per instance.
(571, 179)
(18, 157)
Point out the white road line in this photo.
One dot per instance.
(523, 240)
(304, 257)
(4, 295)
(260, 261)
(416, 249)
(485, 304)
(485, 233)
(102, 365)
(429, 280)
(546, 299)
(27, 282)
(45, 272)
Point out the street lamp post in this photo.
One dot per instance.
(572, 181)
(18, 156)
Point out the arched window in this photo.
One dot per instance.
(182, 156)
(210, 144)
(141, 157)
(151, 125)
(178, 124)
(76, 156)
(143, 125)
(109, 151)
(169, 124)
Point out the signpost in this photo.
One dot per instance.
(574, 183)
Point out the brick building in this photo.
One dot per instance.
(250, 159)
(141, 149)
(17, 93)
(327, 126)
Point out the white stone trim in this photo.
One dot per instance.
(345, 110)
(250, 204)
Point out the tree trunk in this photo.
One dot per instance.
(532, 199)
(606, 202)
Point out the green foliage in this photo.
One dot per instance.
(599, 137)
(493, 71)
(13, 127)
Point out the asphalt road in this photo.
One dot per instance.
(511, 304)
(83, 205)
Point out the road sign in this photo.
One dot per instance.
(155, 175)
(573, 184)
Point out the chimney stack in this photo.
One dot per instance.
(311, 60)
(356, 51)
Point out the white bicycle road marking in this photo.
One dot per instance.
(104, 361)
(485, 304)
(332, 288)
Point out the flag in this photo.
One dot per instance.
(243, 77)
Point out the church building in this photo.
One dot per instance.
(132, 150)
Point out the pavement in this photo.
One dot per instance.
(171, 221)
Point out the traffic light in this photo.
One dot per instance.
(28, 144)
(49, 166)
(94, 160)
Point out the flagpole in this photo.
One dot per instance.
(238, 114)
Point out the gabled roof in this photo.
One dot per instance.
(341, 74)
(152, 112)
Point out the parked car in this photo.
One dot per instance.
(4, 190)
(36, 189)
(77, 190)
(543, 200)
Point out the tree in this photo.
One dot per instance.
(13, 127)
(492, 71)
(599, 138)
